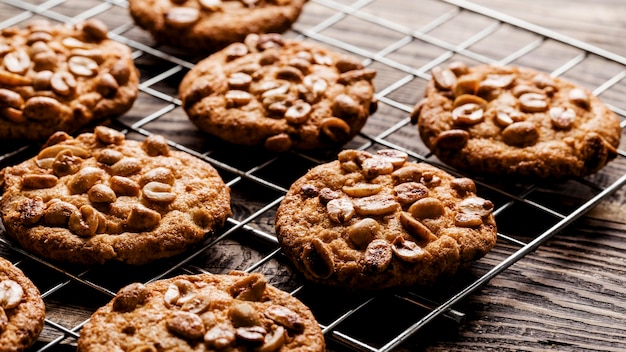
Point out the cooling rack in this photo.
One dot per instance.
(402, 46)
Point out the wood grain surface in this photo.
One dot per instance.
(567, 295)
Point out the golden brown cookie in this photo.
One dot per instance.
(22, 311)
(279, 93)
(101, 197)
(210, 25)
(204, 312)
(515, 122)
(375, 221)
(61, 78)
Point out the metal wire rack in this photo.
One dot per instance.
(403, 50)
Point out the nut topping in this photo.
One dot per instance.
(100, 193)
(84, 221)
(11, 294)
(415, 227)
(427, 208)
(285, 317)
(181, 17)
(82, 66)
(363, 232)
(340, 210)
(533, 102)
(562, 118)
(142, 219)
(468, 114)
(58, 213)
(362, 189)
(84, 179)
(129, 297)
(335, 129)
(109, 136)
(377, 256)
(407, 250)
(375, 205)
(186, 325)
(444, 78)
(520, 134)
(158, 192)
(39, 181)
(409, 192)
(579, 97)
(249, 288)
(318, 259)
(220, 336)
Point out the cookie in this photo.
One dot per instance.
(515, 122)
(22, 311)
(210, 25)
(101, 197)
(280, 94)
(203, 312)
(376, 220)
(61, 78)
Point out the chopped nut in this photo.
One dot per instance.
(274, 340)
(427, 208)
(220, 336)
(236, 50)
(65, 163)
(475, 205)
(239, 81)
(158, 192)
(362, 189)
(285, 317)
(520, 134)
(63, 83)
(106, 85)
(463, 185)
(109, 156)
(58, 213)
(142, 219)
(409, 192)
(373, 167)
(298, 113)
(73, 43)
(39, 181)
(290, 74)
(156, 145)
(496, 81)
(327, 194)
(459, 68)
(407, 174)
(40, 108)
(579, 97)
(9, 98)
(318, 259)
(562, 118)
(377, 256)
(395, 157)
(335, 129)
(100, 193)
(375, 205)
(13, 79)
(467, 220)
(468, 114)
(407, 250)
(366, 74)
(126, 167)
(340, 210)
(236, 98)
(415, 227)
(84, 221)
(211, 5)
(363, 232)
(31, 210)
(11, 294)
(466, 84)
(129, 297)
(345, 106)
(533, 102)
(243, 314)
(249, 288)
(179, 292)
(82, 66)
(109, 136)
(251, 334)
(84, 179)
(181, 17)
(278, 143)
(454, 139)
(54, 150)
(185, 324)
(444, 78)
(95, 28)
(507, 116)
(17, 61)
(123, 186)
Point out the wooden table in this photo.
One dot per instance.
(566, 294)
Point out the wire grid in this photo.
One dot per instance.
(403, 47)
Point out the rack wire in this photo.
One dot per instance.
(403, 50)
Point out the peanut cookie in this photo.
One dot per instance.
(374, 221)
(22, 311)
(204, 312)
(515, 121)
(280, 94)
(101, 197)
(210, 25)
(61, 78)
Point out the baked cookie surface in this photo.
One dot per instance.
(210, 25)
(22, 310)
(61, 78)
(280, 94)
(374, 221)
(101, 197)
(515, 121)
(204, 312)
